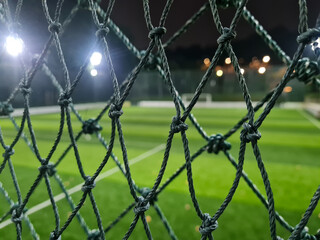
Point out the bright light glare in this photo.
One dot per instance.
(266, 59)
(14, 45)
(262, 70)
(219, 73)
(95, 58)
(94, 72)
(227, 60)
(242, 70)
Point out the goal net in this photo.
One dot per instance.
(154, 56)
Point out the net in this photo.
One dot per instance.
(153, 57)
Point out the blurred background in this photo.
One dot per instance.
(290, 143)
(189, 56)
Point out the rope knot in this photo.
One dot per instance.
(102, 31)
(15, 218)
(315, 46)
(47, 168)
(249, 133)
(306, 70)
(94, 235)
(141, 206)
(5, 109)
(24, 89)
(177, 125)
(208, 225)
(54, 237)
(88, 185)
(8, 152)
(217, 143)
(54, 27)
(90, 126)
(226, 36)
(64, 100)
(14, 207)
(304, 235)
(145, 192)
(157, 32)
(115, 111)
(308, 36)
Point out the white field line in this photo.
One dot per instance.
(18, 112)
(77, 188)
(311, 119)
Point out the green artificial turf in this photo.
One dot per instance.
(290, 148)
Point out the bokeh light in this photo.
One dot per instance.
(227, 60)
(266, 59)
(287, 89)
(206, 62)
(262, 70)
(94, 72)
(219, 73)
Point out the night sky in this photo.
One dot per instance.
(279, 17)
(272, 14)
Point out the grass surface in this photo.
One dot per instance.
(290, 148)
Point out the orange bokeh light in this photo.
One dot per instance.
(287, 89)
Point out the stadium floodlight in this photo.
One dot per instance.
(262, 70)
(14, 45)
(266, 59)
(219, 73)
(94, 72)
(95, 58)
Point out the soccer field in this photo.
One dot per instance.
(290, 148)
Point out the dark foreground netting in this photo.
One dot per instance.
(154, 56)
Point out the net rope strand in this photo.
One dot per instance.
(144, 198)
